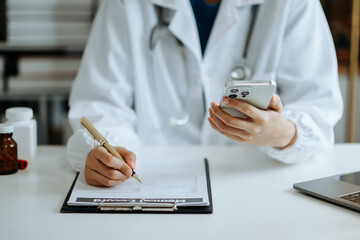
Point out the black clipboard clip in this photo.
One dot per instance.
(142, 205)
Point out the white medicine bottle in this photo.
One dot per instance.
(24, 131)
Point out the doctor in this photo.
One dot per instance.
(153, 71)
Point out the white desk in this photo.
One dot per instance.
(253, 199)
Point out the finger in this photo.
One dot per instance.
(128, 156)
(104, 170)
(275, 103)
(93, 182)
(90, 177)
(97, 179)
(243, 107)
(236, 138)
(111, 161)
(243, 124)
(223, 127)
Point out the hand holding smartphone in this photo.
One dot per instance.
(257, 93)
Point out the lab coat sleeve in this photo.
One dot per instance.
(308, 82)
(103, 88)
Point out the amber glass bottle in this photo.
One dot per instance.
(8, 150)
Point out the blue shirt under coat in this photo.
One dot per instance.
(205, 15)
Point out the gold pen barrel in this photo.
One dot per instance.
(113, 151)
(92, 130)
(103, 142)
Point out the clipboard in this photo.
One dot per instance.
(143, 206)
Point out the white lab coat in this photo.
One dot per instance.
(116, 88)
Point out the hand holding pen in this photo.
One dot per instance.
(107, 165)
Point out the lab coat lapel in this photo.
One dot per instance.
(183, 24)
(227, 18)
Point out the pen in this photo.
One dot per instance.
(103, 142)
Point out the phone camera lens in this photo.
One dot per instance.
(245, 93)
(234, 90)
(232, 96)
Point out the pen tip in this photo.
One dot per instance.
(136, 177)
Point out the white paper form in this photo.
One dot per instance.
(180, 179)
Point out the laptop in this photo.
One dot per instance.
(343, 189)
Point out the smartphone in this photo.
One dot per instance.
(257, 93)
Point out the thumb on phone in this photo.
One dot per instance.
(275, 103)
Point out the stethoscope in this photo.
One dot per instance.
(240, 71)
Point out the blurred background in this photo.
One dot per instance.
(41, 43)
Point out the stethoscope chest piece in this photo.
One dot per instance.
(240, 72)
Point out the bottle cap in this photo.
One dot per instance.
(6, 128)
(19, 113)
